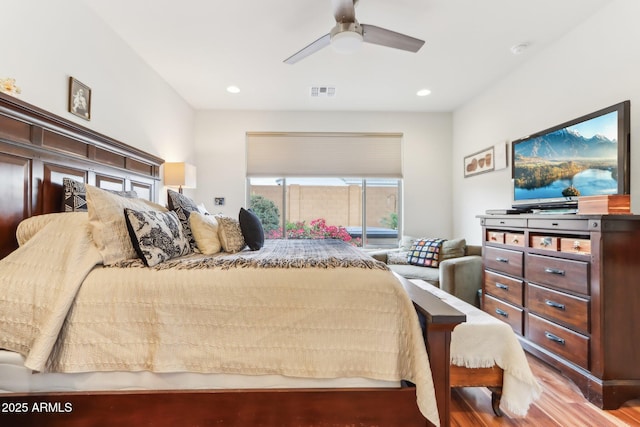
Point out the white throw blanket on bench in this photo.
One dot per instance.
(482, 342)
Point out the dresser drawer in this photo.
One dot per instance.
(567, 309)
(505, 222)
(562, 341)
(559, 224)
(515, 239)
(495, 236)
(561, 273)
(505, 312)
(548, 243)
(504, 260)
(503, 287)
(575, 246)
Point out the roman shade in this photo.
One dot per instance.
(324, 154)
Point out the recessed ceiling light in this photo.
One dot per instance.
(423, 92)
(519, 48)
(233, 89)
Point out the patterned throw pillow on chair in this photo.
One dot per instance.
(425, 252)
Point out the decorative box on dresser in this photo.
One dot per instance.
(569, 286)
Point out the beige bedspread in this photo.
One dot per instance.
(320, 322)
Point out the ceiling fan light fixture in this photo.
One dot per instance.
(346, 42)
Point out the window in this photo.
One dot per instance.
(344, 185)
(364, 212)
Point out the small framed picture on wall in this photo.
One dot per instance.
(480, 162)
(79, 99)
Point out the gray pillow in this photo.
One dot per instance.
(397, 258)
(455, 248)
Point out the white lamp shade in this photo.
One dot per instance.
(180, 174)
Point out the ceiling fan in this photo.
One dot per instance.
(348, 34)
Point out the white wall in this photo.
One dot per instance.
(46, 41)
(220, 150)
(594, 66)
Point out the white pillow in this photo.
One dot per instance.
(205, 231)
(406, 242)
(108, 225)
(202, 209)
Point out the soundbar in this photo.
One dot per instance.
(506, 211)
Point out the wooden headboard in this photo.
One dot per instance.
(38, 149)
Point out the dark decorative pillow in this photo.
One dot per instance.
(425, 252)
(75, 195)
(251, 228)
(156, 236)
(183, 206)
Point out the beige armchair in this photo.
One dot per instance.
(459, 272)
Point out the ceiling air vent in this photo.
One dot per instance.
(323, 91)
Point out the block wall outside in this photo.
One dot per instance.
(337, 205)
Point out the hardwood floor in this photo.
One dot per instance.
(561, 404)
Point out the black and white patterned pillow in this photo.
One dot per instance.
(156, 236)
(183, 206)
(75, 195)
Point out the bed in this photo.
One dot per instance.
(37, 151)
(295, 308)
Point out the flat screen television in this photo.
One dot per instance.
(586, 156)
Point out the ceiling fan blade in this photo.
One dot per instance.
(344, 10)
(310, 49)
(384, 37)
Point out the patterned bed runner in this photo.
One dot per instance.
(276, 253)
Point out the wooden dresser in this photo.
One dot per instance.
(569, 286)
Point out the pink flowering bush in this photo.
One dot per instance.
(317, 229)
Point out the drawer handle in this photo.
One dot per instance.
(501, 286)
(500, 259)
(502, 313)
(554, 271)
(554, 338)
(555, 304)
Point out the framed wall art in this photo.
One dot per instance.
(480, 162)
(79, 99)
